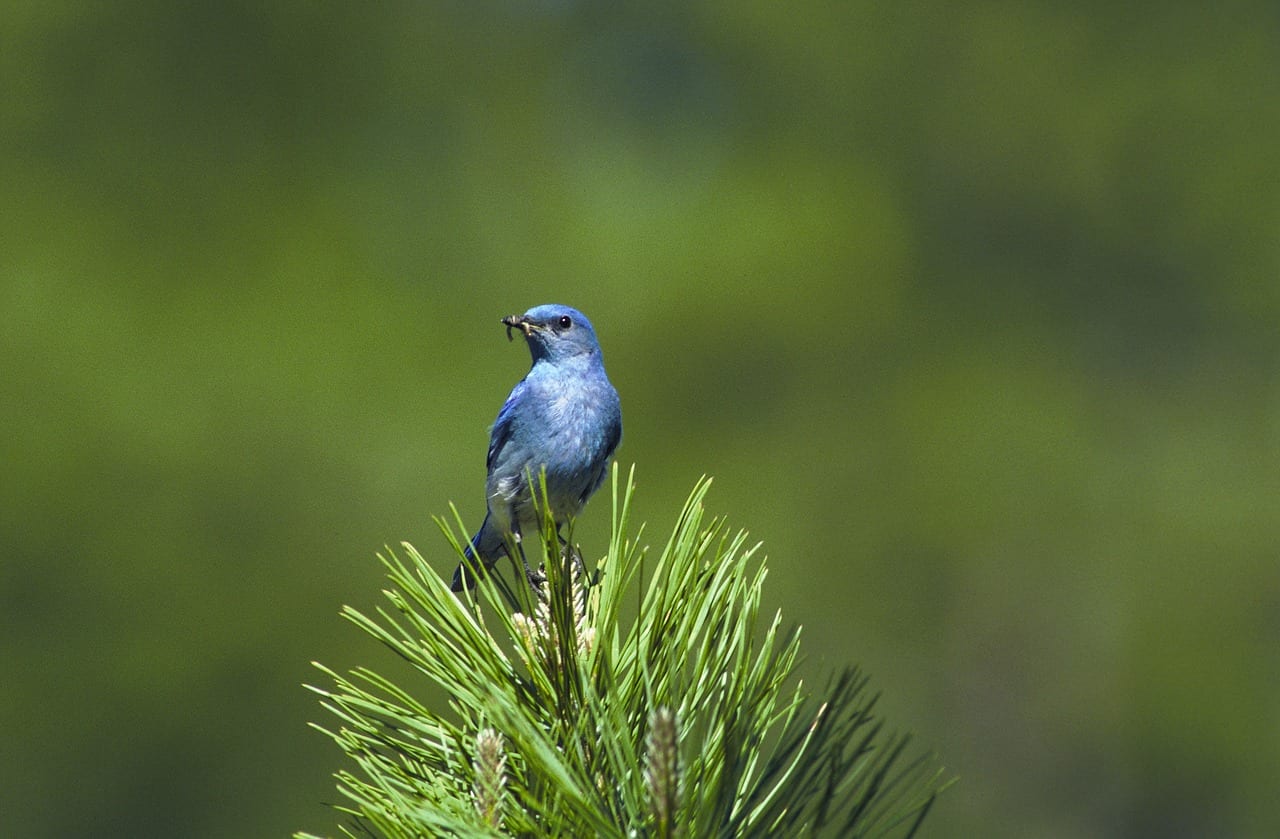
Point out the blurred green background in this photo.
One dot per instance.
(972, 310)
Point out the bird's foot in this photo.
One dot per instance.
(537, 579)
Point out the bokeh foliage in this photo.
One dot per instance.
(970, 309)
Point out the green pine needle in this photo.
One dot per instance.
(640, 697)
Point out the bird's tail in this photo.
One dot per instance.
(484, 549)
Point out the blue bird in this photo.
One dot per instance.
(563, 416)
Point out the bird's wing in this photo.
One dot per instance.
(501, 431)
(612, 441)
(614, 436)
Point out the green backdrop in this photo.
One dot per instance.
(971, 310)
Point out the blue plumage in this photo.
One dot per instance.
(564, 415)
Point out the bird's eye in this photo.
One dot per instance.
(565, 322)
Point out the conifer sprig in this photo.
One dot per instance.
(638, 697)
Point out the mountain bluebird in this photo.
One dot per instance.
(563, 416)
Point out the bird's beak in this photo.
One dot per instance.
(518, 322)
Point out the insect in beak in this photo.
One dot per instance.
(517, 322)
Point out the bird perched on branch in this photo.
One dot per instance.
(563, 416)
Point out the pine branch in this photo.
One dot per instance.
(567, 717)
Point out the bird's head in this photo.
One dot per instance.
(554, 332)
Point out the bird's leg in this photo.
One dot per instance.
(576, 566)
(535, 578)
